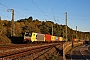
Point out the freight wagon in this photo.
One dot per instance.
(53, 38)
(47, 37)
(38, 37)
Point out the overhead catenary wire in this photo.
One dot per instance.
(45, 6)
(4, 5)
(4, 15)
(52, 9)
(40, 9)
(19, 13)
(65, 4)
(53, 15)
(29, 11)
(10, 8)
(77, 18)
(33, 12)
(23, 8)
(38, 14)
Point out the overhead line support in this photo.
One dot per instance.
(66, 25)
(13, 27)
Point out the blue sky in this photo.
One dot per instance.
(53, 10)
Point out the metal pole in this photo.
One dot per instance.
(13, 27)
(13, 32)
(66, 26)
(52, 29)
(63, 34)
(72, 41)
(76, 32)
(0, 18)
(85, 36)
(64, 52)
(0, 26)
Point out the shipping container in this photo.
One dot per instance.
(47, 37)
(56, 38)
(40, 37)
(53, 38)
(74, 39)
(60, 38)
(34, 37)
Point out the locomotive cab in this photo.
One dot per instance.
(27, 37)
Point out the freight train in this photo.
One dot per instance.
(38, 37)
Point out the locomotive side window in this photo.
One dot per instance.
(27, 35)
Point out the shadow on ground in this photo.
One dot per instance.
(59, 51)
(16, 40)
(68, 56)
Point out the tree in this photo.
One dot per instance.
(1, 26)
(44, 29)
(30, 19)
(17, 29)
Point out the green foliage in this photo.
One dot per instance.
(30, 25)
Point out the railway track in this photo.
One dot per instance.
(15, 51)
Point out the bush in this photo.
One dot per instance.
(53, 57)
(4, 39)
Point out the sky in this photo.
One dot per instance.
(50, 10)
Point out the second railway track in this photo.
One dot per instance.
(16, 52)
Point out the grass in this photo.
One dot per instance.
(69, 52)
(53, 56)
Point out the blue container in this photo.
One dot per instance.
(56, 38)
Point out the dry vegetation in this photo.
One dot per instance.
(4, 39)
(45, 27)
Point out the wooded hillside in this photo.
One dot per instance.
(45, 27)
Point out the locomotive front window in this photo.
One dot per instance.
(28, 34)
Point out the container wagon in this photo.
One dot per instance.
(47, 37)
(40, 37)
